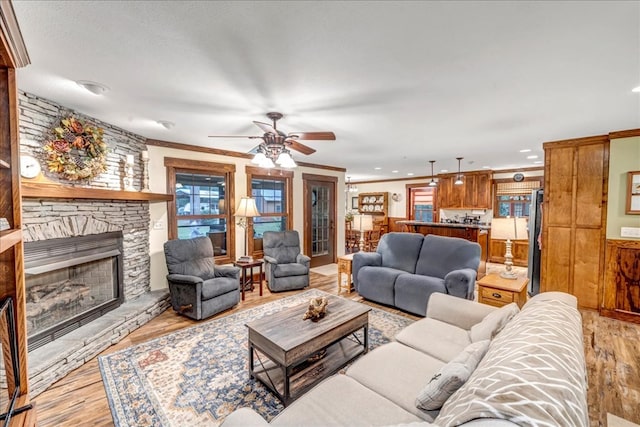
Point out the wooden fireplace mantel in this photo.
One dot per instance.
(56, 191)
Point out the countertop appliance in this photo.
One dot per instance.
(473, 220)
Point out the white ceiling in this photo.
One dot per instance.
(400, 83)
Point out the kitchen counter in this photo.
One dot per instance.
(416, 224)
(472, 232)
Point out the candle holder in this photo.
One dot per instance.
(128, 174)
(145, 175)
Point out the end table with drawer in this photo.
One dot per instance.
(498, 291)
(344, 266)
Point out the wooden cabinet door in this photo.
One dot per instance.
(456, 194)
(483, 191)
(444, 192)
(470, 194)
(576, 179)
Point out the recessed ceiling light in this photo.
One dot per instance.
(93, 87)
(537, 162)
(636, 89)
(533, 156)
(377, 168)
(486, 167)
(394, 171)
(525, 150)
(444, 170)
(409, 173)
(166, 124)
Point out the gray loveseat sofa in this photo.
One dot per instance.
(407, 268)
(532, 372)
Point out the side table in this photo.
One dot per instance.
(248, 281)
(344, 266)
(498, 291)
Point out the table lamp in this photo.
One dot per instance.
(510, 228)
(364, 223)
(246, 209)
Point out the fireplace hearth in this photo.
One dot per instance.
(70, 282)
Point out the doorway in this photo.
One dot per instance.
(320, 218)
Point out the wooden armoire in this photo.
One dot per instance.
(574, 218)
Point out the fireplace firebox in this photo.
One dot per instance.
(70, 282)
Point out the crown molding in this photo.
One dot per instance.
(13, 52)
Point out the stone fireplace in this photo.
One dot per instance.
(87, 274)
(70, 282)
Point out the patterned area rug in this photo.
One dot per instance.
(199, 375)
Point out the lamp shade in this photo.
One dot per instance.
(247, 208)
(363, 222)
(509, 228)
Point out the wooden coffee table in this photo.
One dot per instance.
(294, 354)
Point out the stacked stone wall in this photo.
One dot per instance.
(49, 218)
(39, 115)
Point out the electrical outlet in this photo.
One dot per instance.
(157, 225)
(630, 231)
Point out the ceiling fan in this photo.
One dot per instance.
(275, 145)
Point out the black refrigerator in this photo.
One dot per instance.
(535, 240)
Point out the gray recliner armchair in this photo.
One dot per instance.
(198, 290)
(285, 267)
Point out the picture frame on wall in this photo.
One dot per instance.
(633, 193)
(354, 202)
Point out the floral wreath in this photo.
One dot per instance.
(77, 151)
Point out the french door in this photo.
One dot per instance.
(320, 218)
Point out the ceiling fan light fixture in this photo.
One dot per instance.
(284, 158)
(93, 87)
(459, 180)
(289, 164)
(258, 158)
(267, 163)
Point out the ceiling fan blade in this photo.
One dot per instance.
(317, 136)
(266, 127)
(295, 145)
(233, 136)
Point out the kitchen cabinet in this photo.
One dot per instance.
(474, 193)
(574, 218)
(374, 203)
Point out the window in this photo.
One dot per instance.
(422, 203)
(201, 200)
(514, 198)
(273, 199)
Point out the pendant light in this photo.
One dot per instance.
(432, 183)
(459, 176)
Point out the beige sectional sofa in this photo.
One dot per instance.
(533, 372)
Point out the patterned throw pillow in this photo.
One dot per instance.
(493, 323)
(451, 377)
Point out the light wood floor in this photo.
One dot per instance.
(611, 346)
